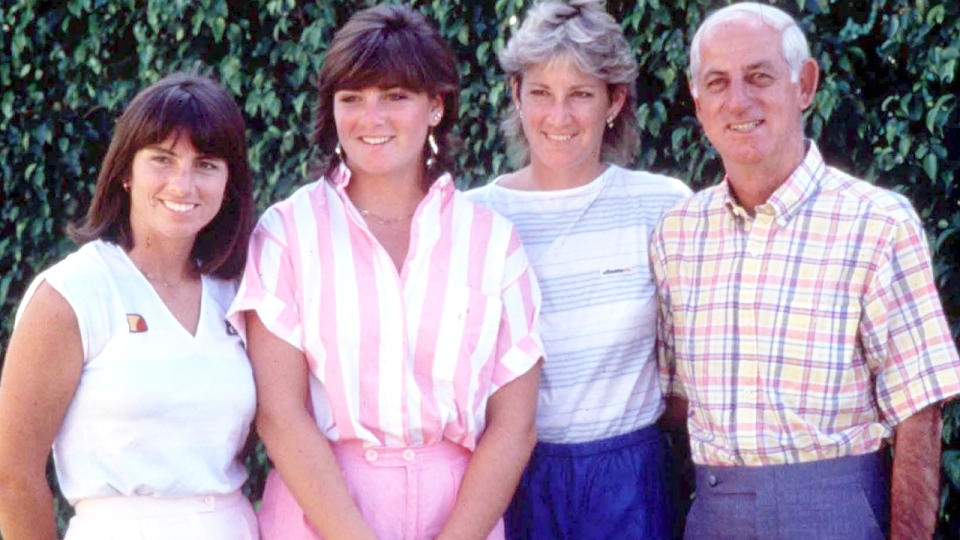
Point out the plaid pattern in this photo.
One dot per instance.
(806, 332)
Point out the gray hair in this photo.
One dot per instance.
(583, 31)
(793, 45)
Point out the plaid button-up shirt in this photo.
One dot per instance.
(806, 332)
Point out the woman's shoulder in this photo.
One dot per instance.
(503, 195)
(482, 205)
(309, 197)
(649, 182)
(84, 278)
(88, 266)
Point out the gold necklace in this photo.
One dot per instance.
(157, 280)
(382, 220)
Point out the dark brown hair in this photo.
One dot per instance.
(180, 104)
(388, 46)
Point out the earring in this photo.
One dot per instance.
(338, 151)
(434, 149)
(610, 122)
(437, 117)
(126, 187)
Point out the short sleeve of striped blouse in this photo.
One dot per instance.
(905, 335)
(518, 345)
(267, 286)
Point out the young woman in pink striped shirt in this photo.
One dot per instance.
(390, 321)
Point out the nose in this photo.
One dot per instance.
(181, 180)
(739, 96)
(558, 113)
(372, 111)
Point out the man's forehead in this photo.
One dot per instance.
(745, 42)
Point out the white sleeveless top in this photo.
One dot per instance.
(157, 411)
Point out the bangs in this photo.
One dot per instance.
(389, 59)
(181, 113)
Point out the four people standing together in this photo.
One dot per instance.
(394, 325)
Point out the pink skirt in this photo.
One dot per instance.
(402, 493)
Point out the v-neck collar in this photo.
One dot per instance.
(159, 301)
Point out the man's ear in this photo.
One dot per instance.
(696, 100)
(809, 78)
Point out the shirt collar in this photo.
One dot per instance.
(787, 200)
(442, 189)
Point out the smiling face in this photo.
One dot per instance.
(174, 190)
(748, 107)
(564, 114)
(383, 131)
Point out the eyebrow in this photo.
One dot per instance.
(200, 155)
(762, 64)
(584, 86)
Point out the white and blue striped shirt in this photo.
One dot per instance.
(588, 247)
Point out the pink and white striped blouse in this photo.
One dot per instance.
(396, 359)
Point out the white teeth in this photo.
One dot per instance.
(375, 140)
(178, 207)
(559, 138)
(746, 126)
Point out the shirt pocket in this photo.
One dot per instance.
(466, 339)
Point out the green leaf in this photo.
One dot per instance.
(930, 166)
(932, 114)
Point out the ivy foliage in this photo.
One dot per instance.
(887, 109)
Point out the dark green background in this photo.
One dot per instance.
(886, 110)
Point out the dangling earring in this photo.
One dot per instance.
(338, 151)
(126, 187)
(434, 149)
(610, 122)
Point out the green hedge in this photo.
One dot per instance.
(887, 108)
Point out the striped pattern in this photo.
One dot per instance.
(398, 359)
(808, 332)
(588, 247)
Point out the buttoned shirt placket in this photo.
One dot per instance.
(757, 230)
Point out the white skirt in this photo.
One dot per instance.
(203, 517)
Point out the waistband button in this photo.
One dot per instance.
(370, 455)
(408, 454)
(713, 480)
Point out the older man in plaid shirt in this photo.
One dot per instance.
(801, 331)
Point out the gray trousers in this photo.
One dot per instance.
(846, 498)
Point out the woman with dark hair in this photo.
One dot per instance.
(598, 468)
(390, 321)
(121, 357)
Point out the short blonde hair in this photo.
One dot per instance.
(583, 31)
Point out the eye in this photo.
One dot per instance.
(582, 94)
(396, 95)
(347, 97)
(716, 85)
(161, 159)
(761, 79)
(209, 164)
(538, 92)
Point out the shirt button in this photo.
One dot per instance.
(408, 454)
(712, 480)
(208, 500)
(370, 455)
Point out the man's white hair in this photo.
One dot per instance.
(793, 44)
